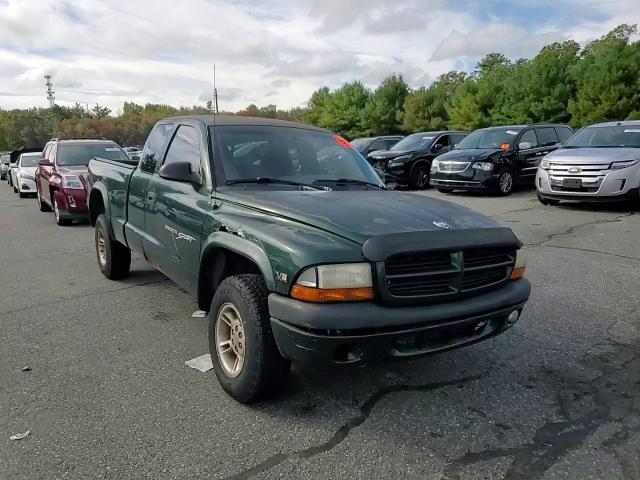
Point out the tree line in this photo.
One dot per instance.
(563, 83)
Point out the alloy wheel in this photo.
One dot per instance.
(506, 182)
(102, 248)
(230, 340)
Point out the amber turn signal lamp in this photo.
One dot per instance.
(518, 272)
(322, 295)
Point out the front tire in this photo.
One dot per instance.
(419, 177)
(41, 205)
(58, 215)
(505, 183)
(244, 353)
(114, 259)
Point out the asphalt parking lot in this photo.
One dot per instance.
(109, 395)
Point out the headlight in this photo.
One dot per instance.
(347, 282)
(72, 182)
(624, 164)
(399, 160)
(434, 165)
(520, 267)
(484, 166)
(26, 176)
(545, 164)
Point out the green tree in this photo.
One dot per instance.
(342, 110)
(382, 114)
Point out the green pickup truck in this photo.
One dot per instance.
(297, 250)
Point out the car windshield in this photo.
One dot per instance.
(614, 136)
(30, 159)
(5, 159)
(360, 144)
(489, 138)
(417, 141)
(290, 154)
(80, 153)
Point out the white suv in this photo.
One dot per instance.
(600, 162)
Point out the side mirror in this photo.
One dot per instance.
(524, 145)
(437, 147)
(44, 162)
(180, 172)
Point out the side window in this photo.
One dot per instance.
(442, 140)
(47, 149)
(377, 145)
(154, 146)
(185, 147)
(530, 137)
(547, 136)
(53, 153)
(456, 139)
(564, 134)
(390, 142)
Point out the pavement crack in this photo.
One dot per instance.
(593, 251)
(570, 230)
(343, 431)
(514, 211)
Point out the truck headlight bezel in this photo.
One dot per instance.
(520, 266)
(344, 282)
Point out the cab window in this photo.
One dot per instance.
(185, 147)
(547, 136)
(530, 137)
(154, 146)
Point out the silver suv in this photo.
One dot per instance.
(600, 162)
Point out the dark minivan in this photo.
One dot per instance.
(408, 161)
(370, 145)
(495, 159)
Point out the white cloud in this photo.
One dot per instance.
(266, 51)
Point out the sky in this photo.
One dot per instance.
(266, 51)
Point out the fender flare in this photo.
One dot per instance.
(240, 246)
(100, 188)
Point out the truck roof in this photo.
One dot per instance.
(224, 119)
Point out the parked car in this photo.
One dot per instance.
(61, 176)
(4, 166)
(599, 163)
(299, 254)
(408, 161)
(369, 145)
(132, 152)
(24, 174)
(13, 165)
(495, 159)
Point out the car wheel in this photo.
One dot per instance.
(419, 178)
(244, 353)
(56, 211)
(547, 201)
(505, 182)
(41, 205)
(15, 189)
(114, 258)
(445, 190)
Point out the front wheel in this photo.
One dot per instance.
(419, 178)
(41, 205)
(505, 182)
(56, 211)
(244, 353)
(114, 258)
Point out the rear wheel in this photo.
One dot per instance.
(445, 190)
(56, 211)
(41, 205)
(419, 177)
(244, 353)
(505, 182)
(114, 258)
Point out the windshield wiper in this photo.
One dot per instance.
(352, 181)
(265, 180)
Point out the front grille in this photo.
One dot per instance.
(434, 275)
(450, 166)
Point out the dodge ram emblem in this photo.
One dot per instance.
(441, 224)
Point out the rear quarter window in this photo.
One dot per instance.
(546, 136)
(564, 133)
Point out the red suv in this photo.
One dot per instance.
(61, 176)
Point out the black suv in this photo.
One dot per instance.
(409, 160)
(495, 159)
(369, 145)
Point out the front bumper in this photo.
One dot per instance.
(26, 185)
(614, 185)
(362, 332)
(397, 174)
(72, 204)
(468, 179)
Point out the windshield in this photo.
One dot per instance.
(80, 153)
(489, 138)
(615, 136)
(30, 159)
(5, 159)
(287, 153)
(417, 141)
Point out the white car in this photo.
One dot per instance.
(600, 162)
(23, 175)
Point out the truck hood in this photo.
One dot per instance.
(586, 156)
(360, 215)
(470, 155)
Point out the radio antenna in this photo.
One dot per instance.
(215, 91)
